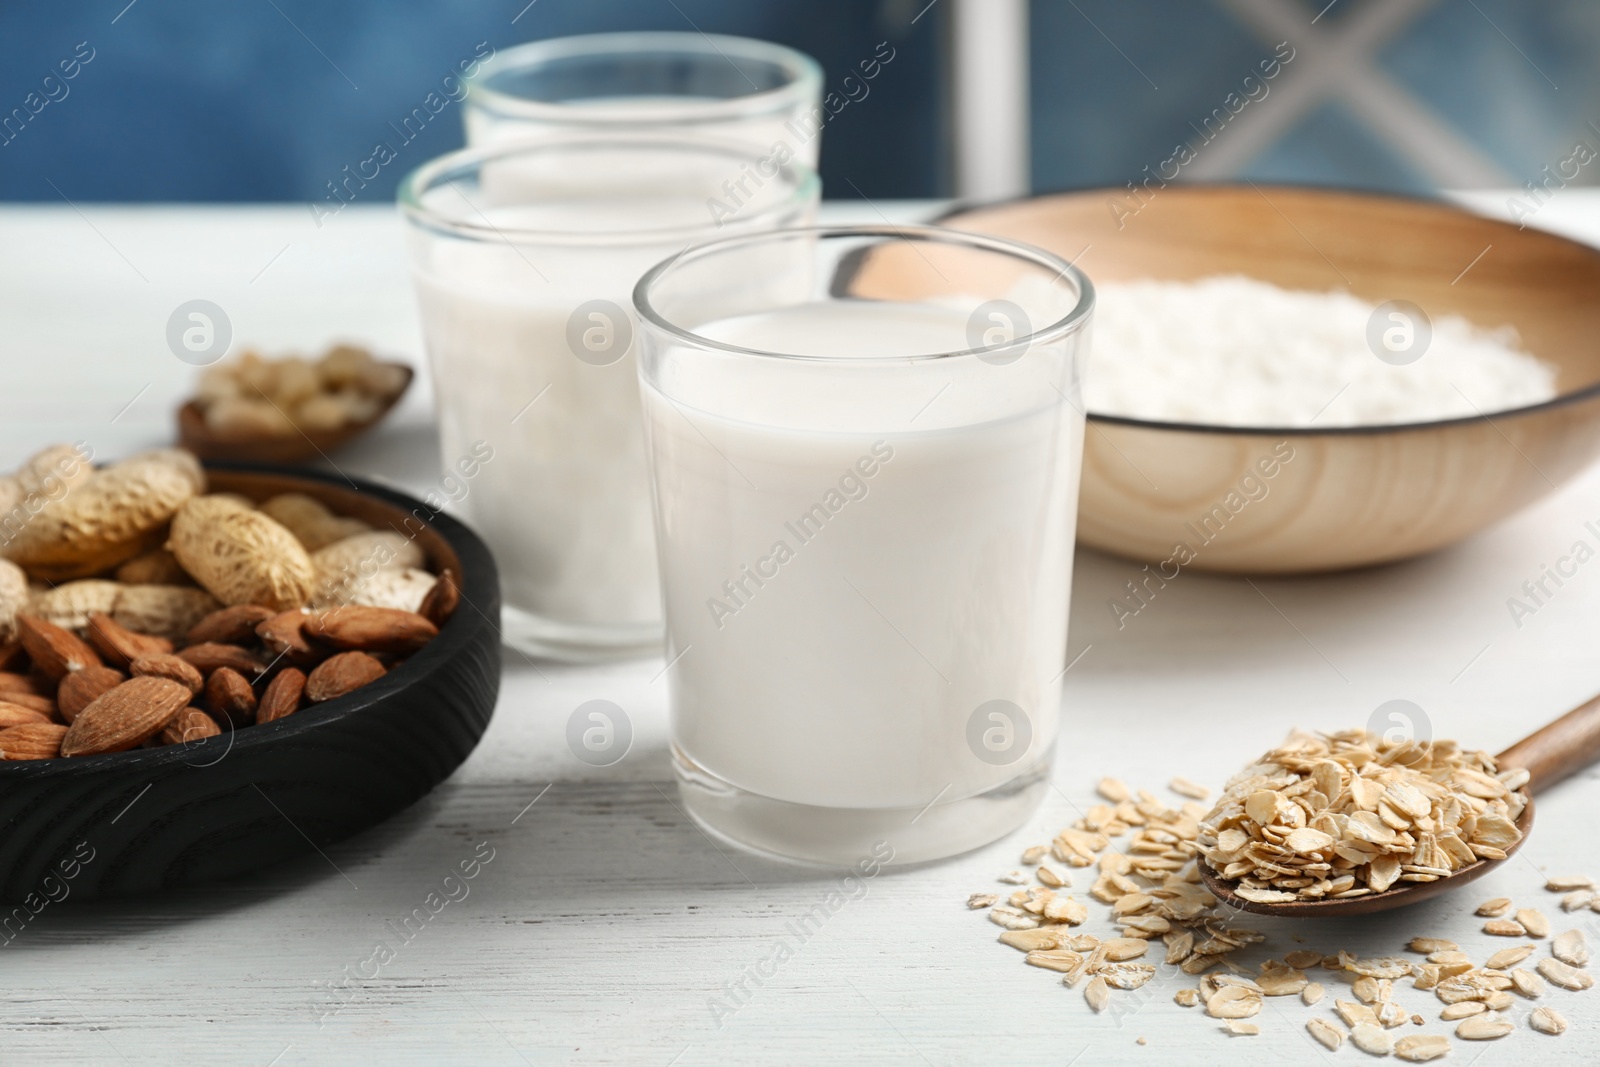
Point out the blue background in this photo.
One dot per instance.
(262, 100)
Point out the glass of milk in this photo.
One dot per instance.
(865, 445)
(523, 255)
(731, 88)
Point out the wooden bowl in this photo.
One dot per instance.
(1349, 496)
(186, 814)
(298, 446)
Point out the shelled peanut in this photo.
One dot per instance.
(253, 396)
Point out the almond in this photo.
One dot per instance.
(284, 637)
(11, 682)
(17, 715)
(11, 651)
(35, 741)
(234, 625)
(231, 697)
(125, 717)
(209, 656)
(371, 629)
(282, 695)
(341, 674)
(54, 651)
(119, 645)
(45, 706)
(442, 599)
(81, 688)
(171, 668)
(190, 724)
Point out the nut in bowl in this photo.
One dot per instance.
(260, 661)
(288, 410)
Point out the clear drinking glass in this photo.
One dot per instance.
(731, 88)
(524, 255)
(865, 445)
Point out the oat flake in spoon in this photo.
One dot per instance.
(1334, 816)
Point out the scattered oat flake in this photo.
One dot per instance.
(1509, 957)
(1051, 877)
(1034, 853)
(1391, 1015)
(1578, 898)
(1533, 921)
(1371, 1039)
(1303, 958)
(1233, 1002)
(1354, 1014)
(1326, 1033)
(1380, 967)
(982, 900)
(1505, 928)
(1570, 948)
(1242, 1028)
(1420, 1048)
(1113, 790)
(1462, 1009)
(1527, 983)
(1186, 998)
(1097, 993)
(1012, 918)
(1185, 788)
(1547, 1021)
(1312, 993)
(1569, 882)
(1485, 1027)
(1494, 907)
(1565, 976)
(1014, 878)
(1426, 945)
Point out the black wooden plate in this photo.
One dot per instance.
(182, 815)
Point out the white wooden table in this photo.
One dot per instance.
(606, 924)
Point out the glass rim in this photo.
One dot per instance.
(805, 186)
(1070, 323)
(805, 76)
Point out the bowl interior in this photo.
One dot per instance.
(1379, 248)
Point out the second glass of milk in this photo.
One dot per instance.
(524, 255)
(865, 445)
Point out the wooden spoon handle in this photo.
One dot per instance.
(1565, 746)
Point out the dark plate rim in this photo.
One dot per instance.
(478, 585)
(1588, 392)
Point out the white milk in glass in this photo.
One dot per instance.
(566, 501)
(509, 314)
(844, 585)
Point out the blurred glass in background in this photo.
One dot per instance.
(271, 100)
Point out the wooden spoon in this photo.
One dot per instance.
(1567, 745)
(293, 446)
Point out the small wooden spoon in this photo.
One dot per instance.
(1563, 747)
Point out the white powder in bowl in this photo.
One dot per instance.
(1238, 352)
